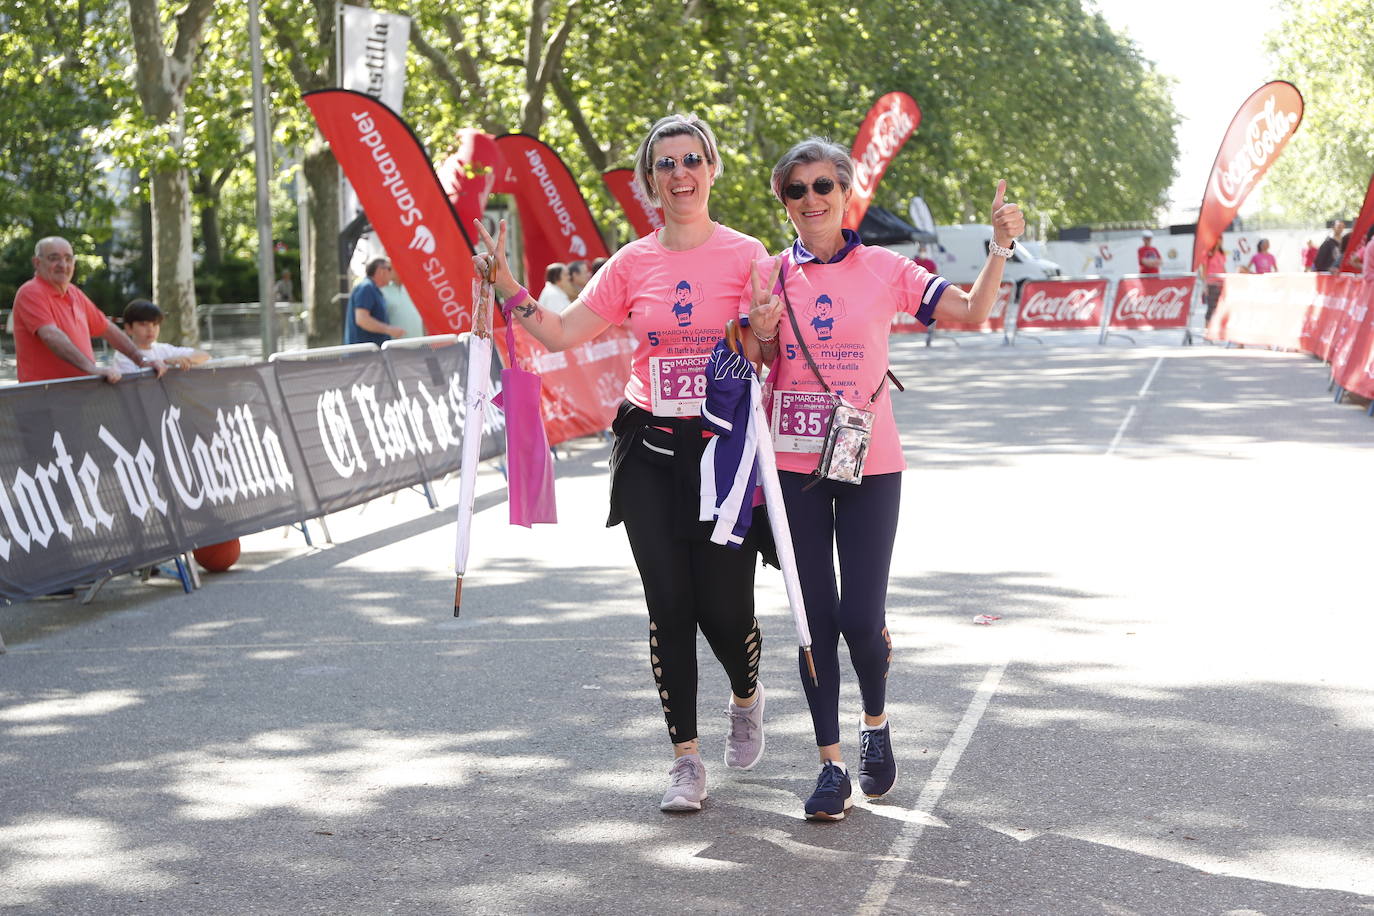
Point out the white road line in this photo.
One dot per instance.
(1130, 414)
(898, 855)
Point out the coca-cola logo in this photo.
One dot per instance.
(891, 127)
(1267, 131)
(1165, 304)
(1077, 304)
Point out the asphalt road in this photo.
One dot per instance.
(1174, 713)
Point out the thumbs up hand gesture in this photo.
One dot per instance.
(1008, 223)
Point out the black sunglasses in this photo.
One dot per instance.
(796, 190)
(668, 163)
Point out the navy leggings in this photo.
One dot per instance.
(861, 521)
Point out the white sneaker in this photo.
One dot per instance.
(744, 744)
(686, 785)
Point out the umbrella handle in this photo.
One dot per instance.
(734, 339)
(811, 666)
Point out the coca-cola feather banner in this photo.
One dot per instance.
(892, 119)
(1258, 133)
(1362, 224)
(404, 202)
(644, 217)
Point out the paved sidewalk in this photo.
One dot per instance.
(1173, 713)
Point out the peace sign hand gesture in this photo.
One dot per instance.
(492, 262)
(765, 310)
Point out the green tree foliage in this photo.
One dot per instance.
(1326, 49)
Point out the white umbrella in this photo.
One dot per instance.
(767, 463)
(476, 397)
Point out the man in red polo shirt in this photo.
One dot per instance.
(1147, 255)
(54, 322)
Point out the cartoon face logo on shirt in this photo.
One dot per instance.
(823, 311)
(682, 304)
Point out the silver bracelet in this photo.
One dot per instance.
(761, 339)
(999, 251)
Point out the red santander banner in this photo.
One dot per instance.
(1257, 135)
(404, 202)
(644, 217)
(891, 120)
(557, 224)
(1061, 304)
(1357, 232)
(1148, 302)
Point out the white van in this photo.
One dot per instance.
(963, 249)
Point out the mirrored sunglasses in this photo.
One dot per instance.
(669, 164)
(796, 190)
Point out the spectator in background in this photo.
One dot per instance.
(1328, 259)
(557, 292)
(1262, 262)
(1309, 255)
(283, 290)
(142, 322)
(367, 320)
(1365, 259)
(1213, 266)
(923, 259)
(578, 275)
(401, 309)
(596, 264)
(54, 322)
(1147, 255)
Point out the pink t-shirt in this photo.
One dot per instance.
(676, 304)
(844, 311)
(1262, 263)
(1367, 267)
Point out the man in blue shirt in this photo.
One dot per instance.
(366, 318)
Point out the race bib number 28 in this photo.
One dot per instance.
(799, 420)
(678, 383)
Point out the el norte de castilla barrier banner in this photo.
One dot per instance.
(101, 479)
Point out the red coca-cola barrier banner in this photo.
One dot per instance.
(644, 217)
(1270, 310)
(996, 320)
(1150, 302)
(891, 120)
(1257, 135)
(404, 202)
(1061, 304)
(1357, 232)
(1352, 365)
(583, 386)
(556, 222)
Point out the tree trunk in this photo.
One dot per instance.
(325, 321)
(174, 285)
(209, 222)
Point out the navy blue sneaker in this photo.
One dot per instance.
(832, 796)
(877, 766)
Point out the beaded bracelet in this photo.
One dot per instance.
(761, 339)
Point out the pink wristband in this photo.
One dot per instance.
(514, 300)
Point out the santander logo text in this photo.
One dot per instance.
(1165, 304)
(890, 129)
(551, 195)
(1261, 141)
(1076, 305)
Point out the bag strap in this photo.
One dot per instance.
(796, 332)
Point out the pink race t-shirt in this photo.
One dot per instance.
(844, 311)
(1263, 262)
(676, 304)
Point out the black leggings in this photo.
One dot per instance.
(689, 582)
(861, 519)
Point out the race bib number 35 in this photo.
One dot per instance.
(799, 420)
(679, 384)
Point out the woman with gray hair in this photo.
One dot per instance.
(675, 289)
(835, 352)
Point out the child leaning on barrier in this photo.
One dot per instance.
(142, 321)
